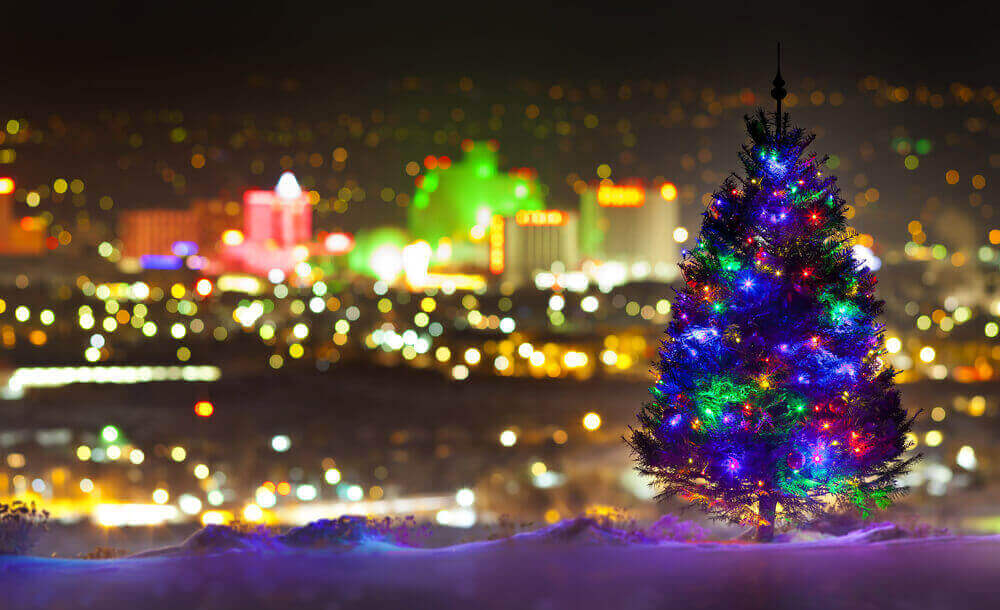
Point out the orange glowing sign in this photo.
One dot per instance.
(668, 191)
(621, 196)
(496, 244)
(232, 237)
(540, 218)
(203, 408)
(453, 281)
(32, 223)
(6, 186)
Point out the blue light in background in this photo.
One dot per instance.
(184, 248)
(160, 261)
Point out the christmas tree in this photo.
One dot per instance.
(771, 388)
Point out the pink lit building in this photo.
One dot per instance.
(283, 215)
(277, 229)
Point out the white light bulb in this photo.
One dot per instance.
(288, 187)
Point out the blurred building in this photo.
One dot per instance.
(277, 230)
(628, 230)
(25, 236)
(215, 217)
(158, 238)
(455, 202)
(532, 241)
(155, 231)
(282, 216)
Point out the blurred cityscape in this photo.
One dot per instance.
(443, 302)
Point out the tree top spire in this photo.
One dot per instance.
(778, 93)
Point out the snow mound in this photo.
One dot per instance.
(355, 532)
(940, 573)
(579, 530)
(866, 534)
(671, 528)
(590, 530)
(218, 539)
(878, 532)
(344, 533)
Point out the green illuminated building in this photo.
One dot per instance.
(458, 202)
(376, 252)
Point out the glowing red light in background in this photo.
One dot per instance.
(203, 287)
(339, 243)
(203, 408)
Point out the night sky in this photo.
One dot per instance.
(183, 50)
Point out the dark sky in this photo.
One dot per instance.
(145, 48)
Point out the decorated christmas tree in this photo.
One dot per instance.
(772, 396)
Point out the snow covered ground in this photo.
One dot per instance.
(571, 565)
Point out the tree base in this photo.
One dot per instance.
(766, 508)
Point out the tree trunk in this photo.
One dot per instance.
(766, 506)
